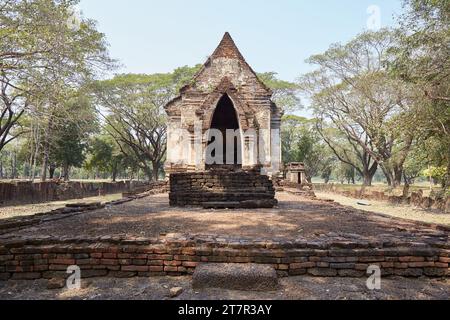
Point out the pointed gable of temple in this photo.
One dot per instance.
(225, 73)
(226, 69)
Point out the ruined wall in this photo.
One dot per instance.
(118, 257)
(416, 199)
(27, 192)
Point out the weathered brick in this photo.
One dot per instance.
(323, 264)
(93, 273)
(411, 259)
(351, 273)
(190, 264)
(139, 262)
(58, 267)
(172, 263)
(371, 259)
(166, 257)
(297, 272)
(189, 251)
(135, 268)
(304, 265)
(441, 265)
(40, 268)
(26, 276)
(109, 262)
(66, 262)
(342, 265)
(322, 272)
(282, 267)
(156, 268)
(420, 264)
(410, 272)
(401, 265)
(170, 269)
(435, 272)
(444, 259)
(81, 256)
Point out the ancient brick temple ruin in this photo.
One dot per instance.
(225, 97)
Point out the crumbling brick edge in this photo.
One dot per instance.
(118, 257)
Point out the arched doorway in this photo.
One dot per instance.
(229, 154)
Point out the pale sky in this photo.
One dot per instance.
(150, 36)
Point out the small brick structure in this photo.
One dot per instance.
(296, 173)
(48, 258)
(240, 189)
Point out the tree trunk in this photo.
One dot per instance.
(114, 172)
(65, 170)
(51, 171)
(155, 171)
(367, 179)
(406, 187)
(398, 174)
(13, 165)
(389, 177)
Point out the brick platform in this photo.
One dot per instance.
(34, 258)
(241, 189)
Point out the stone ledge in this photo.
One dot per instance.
(232, 276)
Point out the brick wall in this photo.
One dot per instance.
(117, 257)
(27, 192)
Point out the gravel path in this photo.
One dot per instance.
(398, 211)
(295, 216)
(295, 288)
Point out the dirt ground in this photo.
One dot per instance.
(31, 209)
(398, 211)
(295, 217)
(294, 288)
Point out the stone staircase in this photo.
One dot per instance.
(222, 189)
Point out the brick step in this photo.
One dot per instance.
(221, 195)
(221, 205)
(228, 190)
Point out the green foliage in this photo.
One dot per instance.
(69, 146)
(301, 143)
(437, 173)
(135, 117)
(285, 94)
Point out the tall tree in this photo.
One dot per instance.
(41, 57)
(135, 115)
(352, 91)
(422, 59)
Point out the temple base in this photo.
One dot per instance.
(222, 189)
